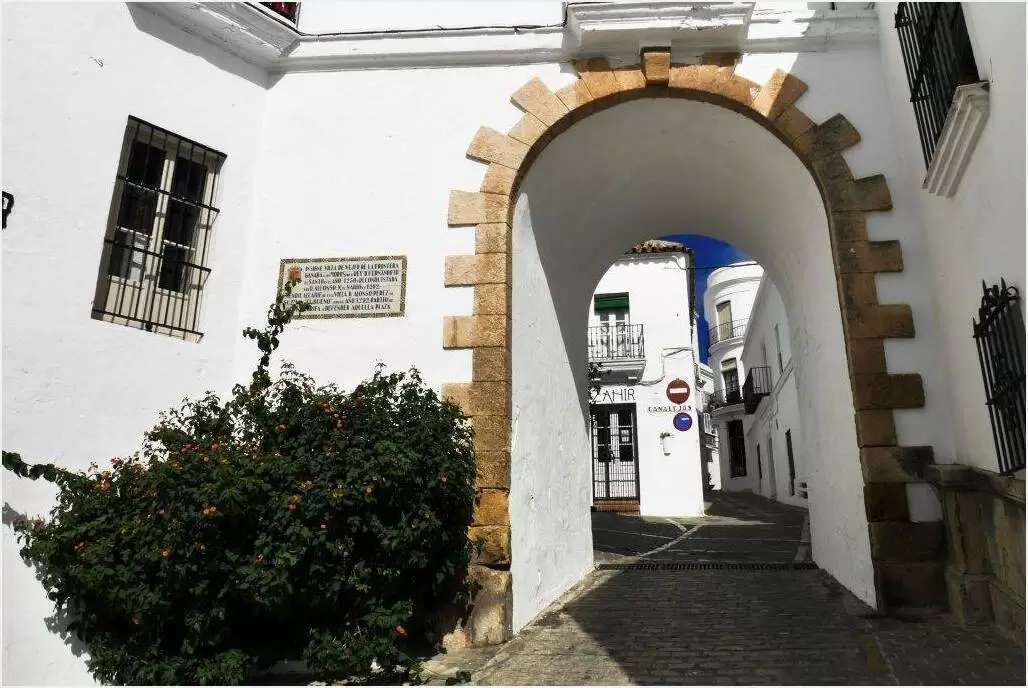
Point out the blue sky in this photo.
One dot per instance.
(709, 254)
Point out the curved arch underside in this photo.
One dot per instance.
(642, 169)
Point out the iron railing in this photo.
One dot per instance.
(728, 396)
(286, 10)
(728, 330)
(154, 264)
(938, 58)
(613, 342)
(756, 387)
(1000, 336)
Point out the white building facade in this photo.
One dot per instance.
(250, 139)
(646, 435)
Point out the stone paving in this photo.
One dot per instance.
(735, 626)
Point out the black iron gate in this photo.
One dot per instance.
(615, 455)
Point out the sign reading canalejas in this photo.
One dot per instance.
(362, 287)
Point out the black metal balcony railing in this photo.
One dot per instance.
(756, 387)
(720, 333)
(725, 397)
(286, 10)
(612, 342)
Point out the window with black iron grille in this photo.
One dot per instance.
(1000, 336)
(938, 58)
(154, 263)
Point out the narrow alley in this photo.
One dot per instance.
(732, 598)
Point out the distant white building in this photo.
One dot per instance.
(709, 446)
(646, 448)
(755, 408)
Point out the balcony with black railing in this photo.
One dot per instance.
(756, 387)
(720, 398)
(726, 331)
(616, 342)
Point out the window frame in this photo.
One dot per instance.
(134, 262)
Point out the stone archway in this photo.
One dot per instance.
(905, 555)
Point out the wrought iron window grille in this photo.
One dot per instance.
(1000, 337)
(8, 207)
(155, 252)
(938, 58)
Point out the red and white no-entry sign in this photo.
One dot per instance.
(678, 391)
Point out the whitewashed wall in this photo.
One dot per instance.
(658, 295)
(738, 285)
(979, 233)
(77, 389)
(361, 163)
(779, 411)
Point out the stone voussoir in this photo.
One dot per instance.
(490, 145)
(870, 256)
(475, 208)
(491, 508)
(656, 65)
(885, 391)
(779, 94)
(492, 238)
(528, 129)
(894, 464)
(875, 321)
(537, 99)
(498, 180)
(865, 194)
(490, 364)
(597, 75)
(493, 300)
(484, 268)
(834, 135)
(494, 542)
(875, 428)
(886, 502)
(492, 433)
(903, 541)
(492, 468)
(470, 331)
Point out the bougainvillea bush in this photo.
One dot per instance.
(289, 522)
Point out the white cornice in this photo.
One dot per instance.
(960, 133)
(616, 30)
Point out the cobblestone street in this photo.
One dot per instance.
(733, 599)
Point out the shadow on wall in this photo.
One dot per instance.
(160, 28)
(56, 623)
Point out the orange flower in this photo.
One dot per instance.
(280, 427)
(400, 630)
(367, 490)
(291, 507)
(166, 553)
(324, 526)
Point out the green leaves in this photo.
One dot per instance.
(291, 520)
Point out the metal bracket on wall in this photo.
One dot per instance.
(8, 207)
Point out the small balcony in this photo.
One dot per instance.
(756, 387)
(619, 349)
(725, 331)
(720, 398)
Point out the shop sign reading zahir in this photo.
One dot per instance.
(363, 287)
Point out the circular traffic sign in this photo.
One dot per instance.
(682, 421)
(678, 391)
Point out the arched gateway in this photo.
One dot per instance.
(865, 322)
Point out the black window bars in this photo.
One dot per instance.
(938, 58)
(154, 263)
(1000, 336)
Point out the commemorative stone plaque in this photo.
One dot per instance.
(367, 287)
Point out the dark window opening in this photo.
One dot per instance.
(736, 449)
(792, 463)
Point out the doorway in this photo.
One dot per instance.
(614, 453)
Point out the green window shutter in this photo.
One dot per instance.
(606, 302)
